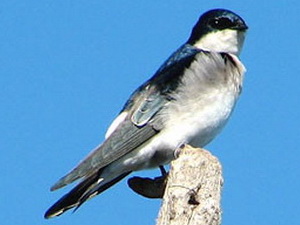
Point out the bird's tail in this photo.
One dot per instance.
(85, 190)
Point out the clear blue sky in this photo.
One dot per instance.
(67, 67)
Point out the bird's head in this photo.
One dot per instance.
(219, 30)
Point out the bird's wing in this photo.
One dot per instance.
(140, 123)
(124, 139)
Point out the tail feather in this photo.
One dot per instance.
(93, 192)
(79, 194)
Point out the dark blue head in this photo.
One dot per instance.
(226, 24)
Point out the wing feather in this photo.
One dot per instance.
(124, 139)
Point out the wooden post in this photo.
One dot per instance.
(193, 192)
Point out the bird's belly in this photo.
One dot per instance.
(198, 122)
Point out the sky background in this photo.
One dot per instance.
(67, 67)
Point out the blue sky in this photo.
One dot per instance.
(68, 66)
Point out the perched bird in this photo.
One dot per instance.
(187, 101)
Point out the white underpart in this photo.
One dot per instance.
(120, 118)
(206, 103)
(230, 41)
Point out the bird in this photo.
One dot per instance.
(188, 100)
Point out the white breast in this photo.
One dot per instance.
(204, 101)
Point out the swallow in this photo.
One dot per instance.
(187, 101)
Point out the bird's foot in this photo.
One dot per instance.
(178, 151)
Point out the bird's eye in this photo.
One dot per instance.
(221, 23)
